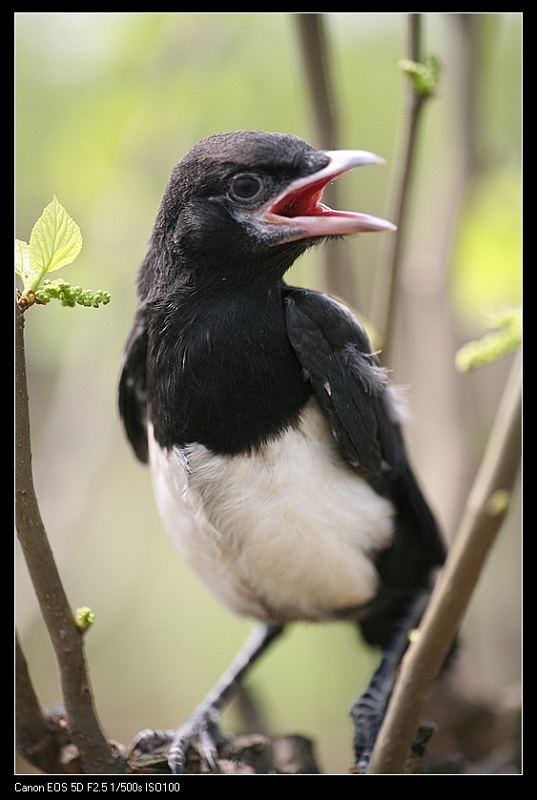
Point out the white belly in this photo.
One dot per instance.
(281, 534)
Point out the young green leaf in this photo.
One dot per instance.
(55, 239)
(494, 345)
(425, 77)
(22, 259)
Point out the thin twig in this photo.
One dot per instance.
(387, 272)
(95, 752)
(484, 513)
(314, 45)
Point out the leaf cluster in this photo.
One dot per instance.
(55, 241)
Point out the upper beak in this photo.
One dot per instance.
(298, 213)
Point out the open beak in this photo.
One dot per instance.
(299, 214)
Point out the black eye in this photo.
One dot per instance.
(245, 186)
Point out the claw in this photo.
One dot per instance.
(202, 728)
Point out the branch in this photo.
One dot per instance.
(36, 739)
(484, 513)
(95, 753)
(387, 272)
(314, 46)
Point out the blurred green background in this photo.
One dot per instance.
(106, 104)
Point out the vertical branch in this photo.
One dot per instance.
(386, 274)
(96, 755)
(314, 47)
(422, 314)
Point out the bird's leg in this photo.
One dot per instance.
(368, 710)
(203, 724)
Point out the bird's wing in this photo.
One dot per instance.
(132, 387)
(352, 390)
(350, 385)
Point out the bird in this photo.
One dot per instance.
(273, 435)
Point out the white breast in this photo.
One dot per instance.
(281, 534)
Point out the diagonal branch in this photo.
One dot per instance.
(37, 740)
(95, 752)
(485, 511)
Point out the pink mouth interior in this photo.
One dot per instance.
(304, 202)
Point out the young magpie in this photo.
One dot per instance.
(273, 436)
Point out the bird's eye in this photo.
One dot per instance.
(245, 186)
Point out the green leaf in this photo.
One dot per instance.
(425, 77)
(22, 259)
(494, 345)
(55, 239)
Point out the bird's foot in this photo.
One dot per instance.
(201, 730)
(367, 714)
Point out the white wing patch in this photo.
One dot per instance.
(281, 534)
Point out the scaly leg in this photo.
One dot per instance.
(368, 710)
(203, 724)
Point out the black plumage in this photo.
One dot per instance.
(230, 376)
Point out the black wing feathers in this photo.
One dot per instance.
(348, 382)
(351, 389)
(132, 388)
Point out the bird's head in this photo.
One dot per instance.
(250, 202)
